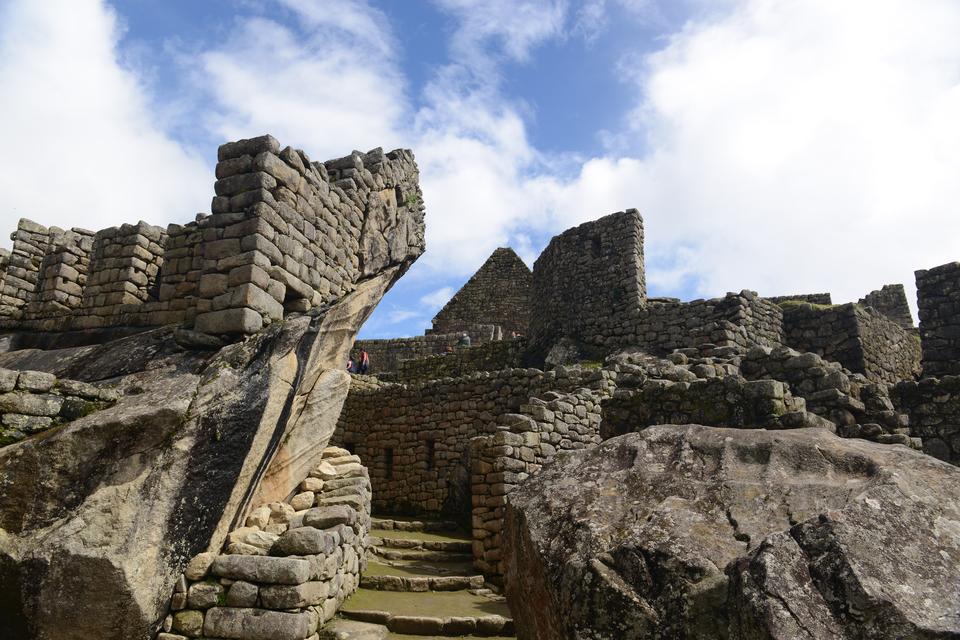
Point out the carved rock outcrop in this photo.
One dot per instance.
(702, 532)
(100, 515)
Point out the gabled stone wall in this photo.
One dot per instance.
(498, 293)
(891, 301)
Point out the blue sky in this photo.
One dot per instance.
(778, 145)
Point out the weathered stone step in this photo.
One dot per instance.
(419, 554)
(383, 541)
(444, 614)
(421, 583)
(397, 523)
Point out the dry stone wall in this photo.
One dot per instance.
(501, 461)
(891, 301)
(34, 401)
(285, 235)
(62, 278)
(569, 302)
(938, 299)
(492, 356)
(31, 242)
(812, 298)
(859, 338)
(742, 320)
(415, 437)
(934, 408)
(387, 355)
(498, 293)
(288, 570)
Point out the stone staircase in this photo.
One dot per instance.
(420, 583)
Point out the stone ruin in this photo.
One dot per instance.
(183, 454)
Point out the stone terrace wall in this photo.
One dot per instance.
(743, 320)
(21, 277)
(859, 338)
(62, 278)
(589, 284)
(498, 293)
(415, 438)
(124, 265)
(890, 301)
(492, 356)
(812, 298)
(286, 234)
(34, 401)
(499, 462)
(938, 299)
(933, 405)
(286, 572)
(386, 355)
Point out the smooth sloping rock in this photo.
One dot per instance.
(99, 517)
(701, 532)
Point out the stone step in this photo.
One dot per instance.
(424, 555)
(382, 539)
(398, 523)
(421, 583)
(444, 614)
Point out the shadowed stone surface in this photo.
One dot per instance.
(701, 532)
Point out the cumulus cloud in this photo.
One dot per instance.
(83, 144)
(794, 147)
(329, 86)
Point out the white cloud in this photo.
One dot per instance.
(792, 147)
(401, 315)
(317, 92)
(83, 145)
(435, 300)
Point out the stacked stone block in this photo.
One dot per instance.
(500, 461)
(63, 276)
(124, 265)
(492, 356)
(569, 300)
(415, 437)
(938, 300)
(285, 235)
(388, 355)
(812, 298)
(891, 301)
(741, 320)
(21, 277)
(34, 401)
(934, 408)
(288, 234)
(288, 570)
(860, 338)
(498, 293)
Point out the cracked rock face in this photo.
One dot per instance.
(701, 532)
(99, 517)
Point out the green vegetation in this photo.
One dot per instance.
(793, 304)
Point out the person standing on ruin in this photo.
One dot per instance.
(350, 364)
(364, 361)
(464, 340)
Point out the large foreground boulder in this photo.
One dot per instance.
(702, 532)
